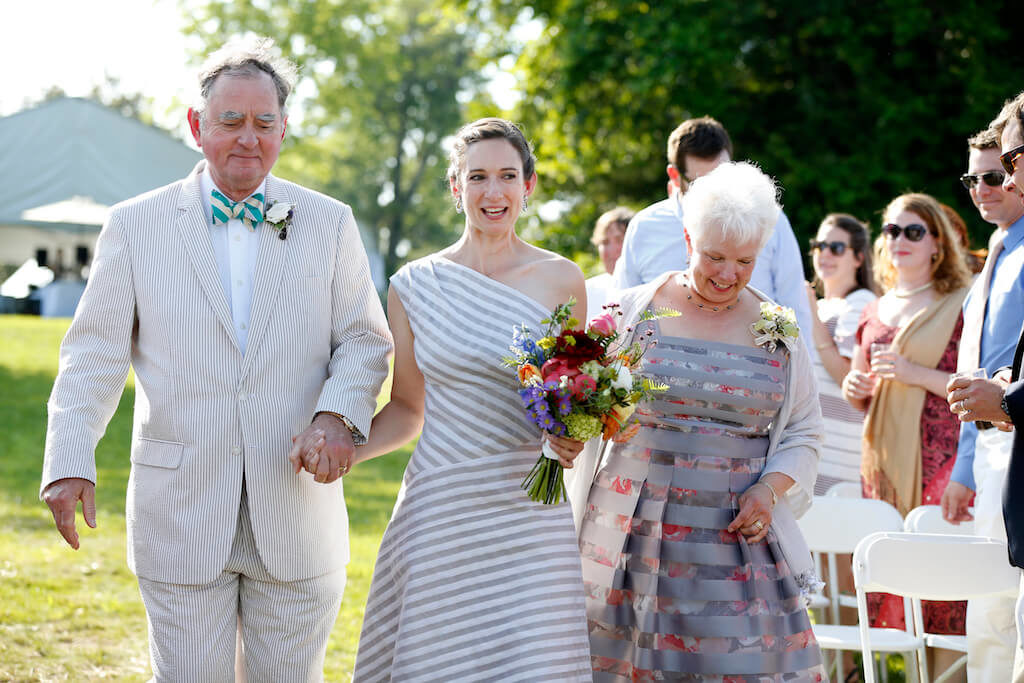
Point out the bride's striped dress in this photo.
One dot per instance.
(473, 582)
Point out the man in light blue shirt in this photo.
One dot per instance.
(993, 313)
(654, 240)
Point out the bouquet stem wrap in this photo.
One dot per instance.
(545, 483)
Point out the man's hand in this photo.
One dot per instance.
(62, 497)
(324, 449)
(954, 503)
(977, 399)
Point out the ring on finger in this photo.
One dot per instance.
(758, 525)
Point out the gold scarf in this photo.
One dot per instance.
(892, 431)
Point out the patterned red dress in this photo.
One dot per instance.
(940, 433)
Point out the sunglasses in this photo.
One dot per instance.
(914, 232)
(1010, 159)
(837, 248)
(990, 178)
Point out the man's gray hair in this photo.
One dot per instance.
(736, 202)
(247, 58)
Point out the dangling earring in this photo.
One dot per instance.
(458, 204)
(525, 203)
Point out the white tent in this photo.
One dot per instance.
(68, 160)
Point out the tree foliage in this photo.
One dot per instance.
(847, 103)
(383, 85)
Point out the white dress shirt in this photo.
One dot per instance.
(235, 249)
(600, 291)
(654, 244)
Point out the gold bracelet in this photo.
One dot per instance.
(775, 496)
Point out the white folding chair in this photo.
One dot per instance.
(845, 489)
(926, 567)
(927, 519)
(834, 525)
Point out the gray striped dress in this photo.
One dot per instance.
(473, 581)
(671, 594)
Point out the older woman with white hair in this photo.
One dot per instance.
(692, 560)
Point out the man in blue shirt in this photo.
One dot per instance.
(654, 239)
(993, 313)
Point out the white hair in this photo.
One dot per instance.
(737, 202)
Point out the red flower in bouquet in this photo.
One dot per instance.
(558, 367)
(577, 347)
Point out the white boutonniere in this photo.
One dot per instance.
(777, 323)
(279, 215)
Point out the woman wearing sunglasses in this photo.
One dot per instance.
(906, 351)
(842, 273)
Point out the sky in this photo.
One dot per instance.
(75, 45)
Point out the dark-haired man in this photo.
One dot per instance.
(654, 240)
(993, 313)
(1001, 400)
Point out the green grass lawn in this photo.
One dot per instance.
(76, 615)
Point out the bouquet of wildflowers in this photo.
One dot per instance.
(578, 383)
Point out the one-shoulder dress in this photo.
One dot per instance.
(473, 581)
(671, 594)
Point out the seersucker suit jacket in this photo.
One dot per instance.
(1013, 493)
(207, 416)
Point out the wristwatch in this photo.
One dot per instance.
(1005, 407)
(357, 436)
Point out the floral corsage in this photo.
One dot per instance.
(279, 215)
(776, 324)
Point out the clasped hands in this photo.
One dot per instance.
(974, 399)
(324, 449)
(887, 364)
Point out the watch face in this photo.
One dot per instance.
(1005, 406)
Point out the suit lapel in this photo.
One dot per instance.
(195, 235)
(270, 265)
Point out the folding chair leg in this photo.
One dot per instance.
(953, 668)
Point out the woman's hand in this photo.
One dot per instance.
(755, 515)
(859, 386)
(891, 365)
(565, 448)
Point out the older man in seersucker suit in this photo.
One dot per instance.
(245, 305)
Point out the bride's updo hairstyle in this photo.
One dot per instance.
(736, 202)
(489, 129)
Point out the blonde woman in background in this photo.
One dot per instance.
(609, 231)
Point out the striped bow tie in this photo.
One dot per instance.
(249, 211)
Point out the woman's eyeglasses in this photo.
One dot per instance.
(914, 232)
(990, 178)
(837, 248)
(1010, 159)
